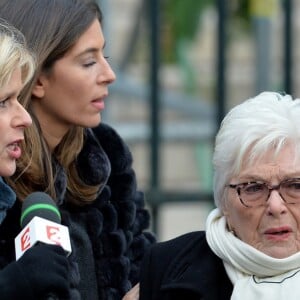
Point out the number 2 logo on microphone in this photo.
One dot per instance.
(53, 234)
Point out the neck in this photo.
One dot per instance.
(52, 140)
(53, 129)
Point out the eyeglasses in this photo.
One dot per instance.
(253, 194)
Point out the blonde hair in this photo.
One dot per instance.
(14, 54)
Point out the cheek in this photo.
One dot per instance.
(239, 220)
(77, 91)
(69, 81)
(72, 86)
(244, 224)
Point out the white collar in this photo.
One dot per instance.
(246, 266)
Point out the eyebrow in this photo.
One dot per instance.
(87, 51)
(9, 94)
(90, 50)
(251, 177)
(259, 178)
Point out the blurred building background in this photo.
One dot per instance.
(180, 65)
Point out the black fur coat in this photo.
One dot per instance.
(108, 237)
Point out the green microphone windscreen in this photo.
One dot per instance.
(39, 204)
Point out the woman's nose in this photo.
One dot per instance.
(276, 204)
(107, 74)
(22, 117)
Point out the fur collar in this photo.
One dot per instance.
(7, 199)
(90, 156)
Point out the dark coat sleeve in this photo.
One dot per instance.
(155, 264)
(184, 268)
(13, 283)
(129, 202)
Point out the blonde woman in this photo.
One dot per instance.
(26, 278)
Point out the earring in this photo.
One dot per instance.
(231, 230)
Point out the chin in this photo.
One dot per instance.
(7, 172)
(280, 253)
(93, 124)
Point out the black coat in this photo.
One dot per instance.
(108, 237)
(184, 268)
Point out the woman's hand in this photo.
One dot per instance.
(133, 294)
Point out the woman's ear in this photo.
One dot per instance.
(39, 87)
(223, 205)
(226, 212)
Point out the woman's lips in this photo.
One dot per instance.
(99, 104)
(14, 150)
(279, 233)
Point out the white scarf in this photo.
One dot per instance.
(254, 274)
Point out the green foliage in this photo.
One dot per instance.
(181, 22)
(240, 15)
(184, 15)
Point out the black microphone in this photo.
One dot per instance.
(40, 222)
(39, 204)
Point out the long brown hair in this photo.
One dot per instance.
(51, 28)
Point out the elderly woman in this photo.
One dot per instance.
(250, 249)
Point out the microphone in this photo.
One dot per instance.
(40, 222)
